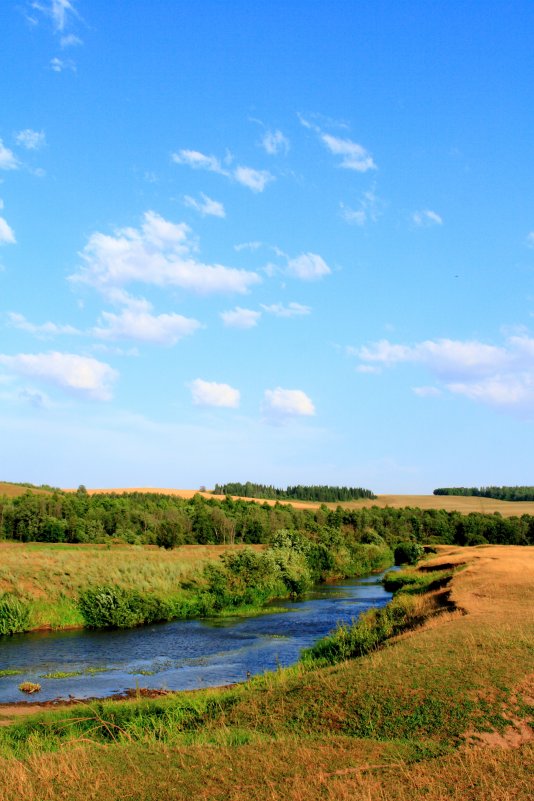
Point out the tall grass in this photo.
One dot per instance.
(14, 614)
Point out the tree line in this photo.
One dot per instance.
(300, 492)
(168, 521)
(499, 493)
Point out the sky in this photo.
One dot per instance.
(283, 242)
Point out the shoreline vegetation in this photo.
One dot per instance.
(70, 572)
(439, 705)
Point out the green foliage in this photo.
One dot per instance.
(323, 494)
(366, 634)
(499, 493)
(117, 607)
(408, 553)
(14, 614)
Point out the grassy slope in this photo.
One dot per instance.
(450, 503)
(51, 575)
(424, 718)
(12, 490)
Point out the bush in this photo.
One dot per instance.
(117, 607)
(408, 553)
(14, 614)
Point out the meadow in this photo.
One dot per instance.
(51, 575)
(442, 710)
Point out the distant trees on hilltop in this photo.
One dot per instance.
(322, 494)
(499, 493)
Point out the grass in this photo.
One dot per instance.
(443, 711)
(50, 576)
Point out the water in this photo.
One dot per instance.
(182, 655)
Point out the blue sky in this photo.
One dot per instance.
(283, 242)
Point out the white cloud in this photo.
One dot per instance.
(498, 375)
(80, 374)
(159, 253)
(283, 403)
(240, 318)
(291, 310)
(70, 40)
(206, 207)
(44, 329)
(163, 329)
(198, 161)
(210, 393)
(7, 235)
(353, 155)
(530, 239)
(61, 64)
(7, 158)
(247, 246)
(31, 140)
(426, 218)
(275, 142)
(308, 267)
(256, 180)
(369, 207)
(368, 368)
(59, 11)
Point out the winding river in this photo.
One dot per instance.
(181, 655)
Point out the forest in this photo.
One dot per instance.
(321, 494)
(169, 521)
(499, 493)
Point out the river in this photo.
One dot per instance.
(184, 654)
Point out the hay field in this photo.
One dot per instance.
(13, 490)
(444, 712)
(451, 503)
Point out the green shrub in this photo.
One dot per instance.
(14, 614)
(366, 634)
(408, 553)
(116, 607)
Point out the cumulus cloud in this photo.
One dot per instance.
(308, 267)
(498, 375)
(31, 140)
(275, 142)
(159, 253)
(210, 393)
(426, 218)
(162, 329)
(256, 180)
(291, 310)
(82, 375)
(7, 158)
(40, 330)
(206, 207)
(240, 318)
(7, 235)
(248, 246)
(280, 404)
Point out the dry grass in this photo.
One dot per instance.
(13, 490)
(450, 503)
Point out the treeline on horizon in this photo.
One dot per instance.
(322, 494)
(498, 493)
(169, 521)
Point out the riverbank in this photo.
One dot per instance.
(443, 711)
